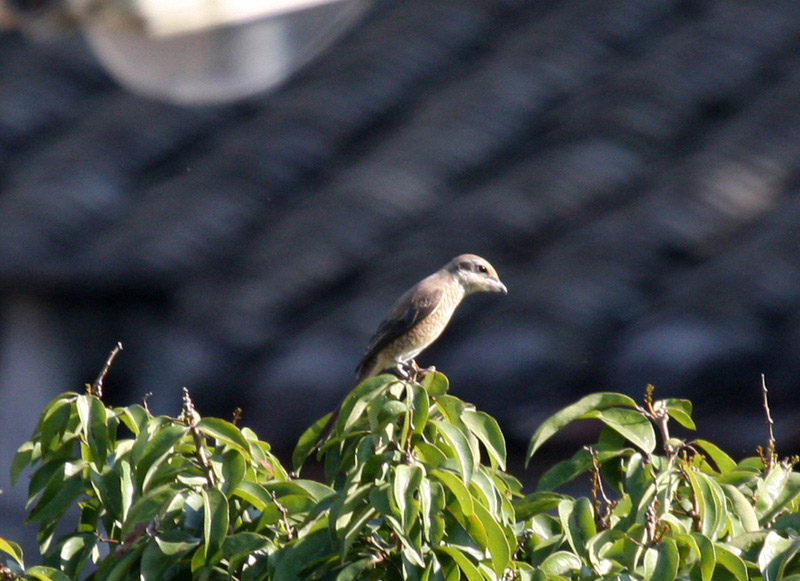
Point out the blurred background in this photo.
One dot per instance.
(239, 197)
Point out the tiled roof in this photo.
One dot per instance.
(630, 168)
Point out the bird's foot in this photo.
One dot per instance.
(411, 371)
(403, 370)
(416, 372)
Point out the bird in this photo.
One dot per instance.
(423, 312)
(418, 318)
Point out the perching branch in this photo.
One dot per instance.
(96, 389)
(769, 456)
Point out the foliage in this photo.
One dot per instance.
(689, 513)
(416, 488)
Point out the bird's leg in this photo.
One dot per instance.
(407, 369)
(402, 370)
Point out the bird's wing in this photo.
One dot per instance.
(413, 306)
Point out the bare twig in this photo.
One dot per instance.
(602, 504)
(191, 417)
(96, 389)
(284, 515)
(770, 455)
(144, 401)
(654, 526)
(660, 418)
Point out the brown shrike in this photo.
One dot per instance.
(418, 318)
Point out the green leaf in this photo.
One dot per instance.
(487, 430)
(63, 489)
(74, 551)
(456, 486)
(405, 484)
(605, 550)
(345, 506)
(450, 407)
(724, 462)
(593, 402)
(148, 506)
(308, 441)
(497, 542)
(300, 554)
(22, 459)
(224, 432)
(176, 542)
(784, 488)
(583, 518)
(117, 568)
(661, 561)
(215, 523)
(12, 549)
(354, 570)
(419, 409)
(731, 561)
(679, 410)
(708, 558)
(383, 412)
(775, 555)
(561, 563)
(157, 449)
(573, 515)
(568, 470)
(356, 402)
(356, 526)
(537, 503)
(165, 551)
(460, 445)
(436, 384)
(46, 574)
(314, 490)
(466, 566)
(628, 423)
(44, 475)
(430, 455)
(742, 508)
(127, 490)
(94, 426)
(710, 501)
(239, 547)
(155, 561)
(232, 470)
(426, 500)
(54, 422)
(135, 418)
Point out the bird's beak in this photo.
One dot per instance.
(498, 286)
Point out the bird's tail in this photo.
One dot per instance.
(367, 369)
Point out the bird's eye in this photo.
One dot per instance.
(483, 269)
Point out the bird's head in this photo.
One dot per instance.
(475, 274)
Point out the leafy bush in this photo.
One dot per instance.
(689, 513)
(416, 488)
